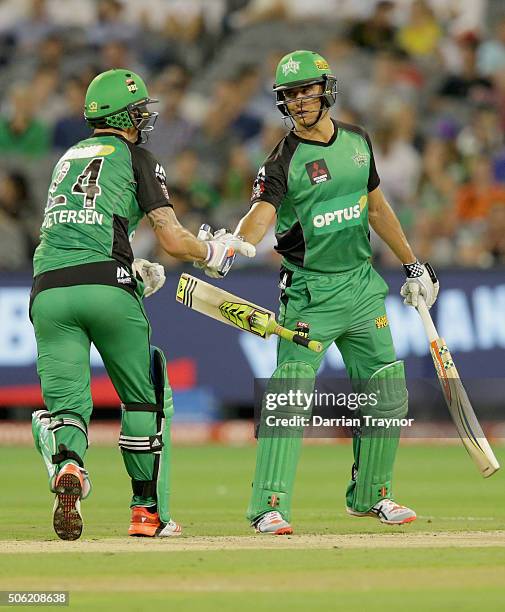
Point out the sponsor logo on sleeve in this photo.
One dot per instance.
(161, 175)
(259, 184)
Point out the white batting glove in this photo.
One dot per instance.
(204, 233)
(152, 275)
(237, 242)
(220, 258)
(421, 280)
(222, 250)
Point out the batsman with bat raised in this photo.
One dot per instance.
(88, 288)
(321, 185)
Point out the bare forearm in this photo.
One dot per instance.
(175, 239)
(254, 225)
(385, 223)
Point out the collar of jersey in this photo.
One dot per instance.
(318, 143)
(110, 134)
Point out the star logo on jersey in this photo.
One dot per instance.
(290, 66)
(318, 172)
(360, 159)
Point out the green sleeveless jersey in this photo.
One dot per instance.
(320, 191)
(100, 189)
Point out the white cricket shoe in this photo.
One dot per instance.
(388, 512)
(273, 523)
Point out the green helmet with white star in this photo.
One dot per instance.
(118, 98)
(301, 68)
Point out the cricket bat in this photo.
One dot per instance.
(459, 405)
(232, 310)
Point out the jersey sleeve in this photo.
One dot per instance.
(151, 180)
(373, 176)
(271, 183)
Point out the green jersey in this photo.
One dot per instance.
(100, 189)
(320, 191)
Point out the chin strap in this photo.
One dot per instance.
(318, 118)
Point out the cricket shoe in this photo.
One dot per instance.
(148, 524)
(272, 522)
(388, 512)
(67, 519)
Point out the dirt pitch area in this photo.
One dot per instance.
(469, 539)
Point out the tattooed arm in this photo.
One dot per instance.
(175, 239)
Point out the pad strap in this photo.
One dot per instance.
(141, 407)
(144, 488)
(56, 424)
(142, 444)
(65, 454)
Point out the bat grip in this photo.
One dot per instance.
(292, 336)
(428, 324)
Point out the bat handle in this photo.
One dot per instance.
(428, 324)
(292, 336)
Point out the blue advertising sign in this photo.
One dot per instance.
(469, 314)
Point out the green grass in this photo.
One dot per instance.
(210, 492)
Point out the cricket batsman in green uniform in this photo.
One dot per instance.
(88, 288)
(321, 186)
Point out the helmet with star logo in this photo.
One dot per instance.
(302, 68)
(118, 98)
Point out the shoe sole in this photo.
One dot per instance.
(407, 520)
(67, 521)
(280, 531)
(373, 515)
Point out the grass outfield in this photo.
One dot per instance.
(211, 487)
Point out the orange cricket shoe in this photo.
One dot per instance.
(67, 519)
(148, 524)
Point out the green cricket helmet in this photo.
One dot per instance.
(302, 68)
(118, 98)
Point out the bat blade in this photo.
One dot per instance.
(461, 409)
(224, 306)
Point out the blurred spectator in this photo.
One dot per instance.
(173, 132)
(37, 26)
(470, 85)
(475, 198)
(378, 31)
(72, 127)
(434, 223)
(494, 235)
(482, 135)
(379, 97)
(20, 132)
(398, 165)
(237, 178)
(17, 222)
(47, 96)
(186, 177)
(425, 78)
(491, 53)
(116, 54)
(111, 25)
(420, 36)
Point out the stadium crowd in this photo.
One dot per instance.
(426, 78)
